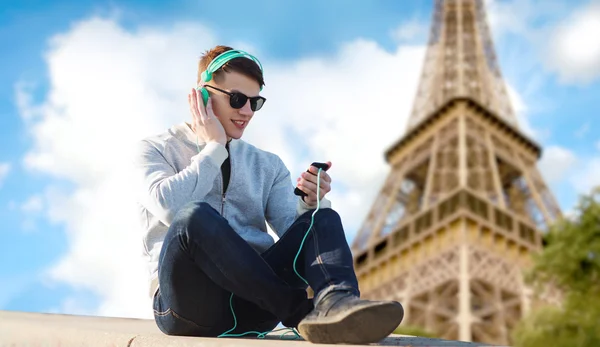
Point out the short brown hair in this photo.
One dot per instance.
(241, 65)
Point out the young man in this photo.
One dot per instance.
(204, 201)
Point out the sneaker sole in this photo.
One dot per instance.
(364, 325)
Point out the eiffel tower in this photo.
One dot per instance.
(464, 205)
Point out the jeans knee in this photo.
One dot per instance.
(194, 216)
(193, 211)
(327, 215)
(170, 323)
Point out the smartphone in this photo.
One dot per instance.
(323, 166)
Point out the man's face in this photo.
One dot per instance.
(234, 121)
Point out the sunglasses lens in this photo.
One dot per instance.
(256, 103)
(238, 100)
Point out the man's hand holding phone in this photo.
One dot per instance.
(307, 183)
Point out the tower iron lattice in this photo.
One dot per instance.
(464, 205)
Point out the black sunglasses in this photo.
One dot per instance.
(238, 100)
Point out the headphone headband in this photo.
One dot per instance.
(223, 58)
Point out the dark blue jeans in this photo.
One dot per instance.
(203, 260)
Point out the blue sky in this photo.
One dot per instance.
(49, 174)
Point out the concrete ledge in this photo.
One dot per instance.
(37, 329)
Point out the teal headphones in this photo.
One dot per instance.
(219, 61)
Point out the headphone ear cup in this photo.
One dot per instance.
(204, 93)
(205, 76)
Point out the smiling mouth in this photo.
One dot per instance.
(239, 123)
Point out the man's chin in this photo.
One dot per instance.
(235, 136)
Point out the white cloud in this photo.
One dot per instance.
(556, 163)
(411, 30)
(560, 164)
(4, 170)
(32, 208)
(574, 49)
(110, 87)
(522, 17)
(507, 17)
(24, 101)
(33, 205)
(520, 110)
(588, 177)
(74, 306)
(520, 29)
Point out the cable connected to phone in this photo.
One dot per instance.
(262, 335)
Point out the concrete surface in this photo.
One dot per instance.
(40, 329)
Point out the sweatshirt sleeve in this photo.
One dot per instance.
(162, 190)
(283, 206)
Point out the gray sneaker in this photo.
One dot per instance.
(342, 317)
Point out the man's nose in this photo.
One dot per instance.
(246, 110)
